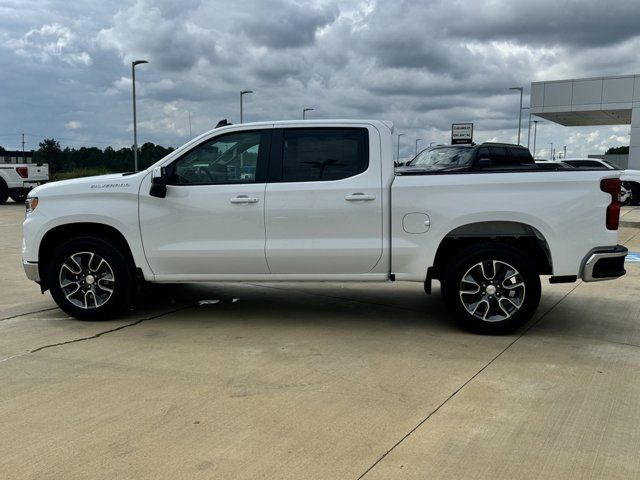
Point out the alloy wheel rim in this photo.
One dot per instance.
(492, 291)
(87, 280)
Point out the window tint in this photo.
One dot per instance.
(522, 156)
(231, 158)
(587, 164)
(322, 154)
(499, 156)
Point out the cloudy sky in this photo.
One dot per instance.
(422, 64)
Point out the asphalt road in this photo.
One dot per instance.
(316, 381)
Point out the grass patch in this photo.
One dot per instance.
(79, 172)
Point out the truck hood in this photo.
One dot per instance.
(102, 183)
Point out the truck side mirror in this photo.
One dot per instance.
(158, 182)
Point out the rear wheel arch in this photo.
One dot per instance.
(520, 236)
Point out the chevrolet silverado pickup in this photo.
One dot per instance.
(321, 201)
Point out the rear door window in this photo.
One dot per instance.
(323, 154)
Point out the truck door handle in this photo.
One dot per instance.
(355, 197)
(243, 199)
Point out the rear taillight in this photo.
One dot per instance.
(22, 171)
(612, 187)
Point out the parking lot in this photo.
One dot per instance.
(326, 381)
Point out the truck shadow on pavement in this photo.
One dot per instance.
(298, 304)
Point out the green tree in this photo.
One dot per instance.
(50, 152)
(618, 151)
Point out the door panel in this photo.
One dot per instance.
(212, 219)
(325, 226)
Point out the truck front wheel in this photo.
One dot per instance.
(90, 279)
(491, 288)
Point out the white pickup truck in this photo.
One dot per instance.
(320, 201)
(17, 179)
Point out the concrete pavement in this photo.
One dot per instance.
(316, 381)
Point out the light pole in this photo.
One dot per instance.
(417, 140)
(551, 143)
(135, 129)
(564, 155)
(243, 92)
(519, 112)
(535, 133)
(304, 111)
(399, 135)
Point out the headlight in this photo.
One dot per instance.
(32, 203)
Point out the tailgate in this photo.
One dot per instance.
(37, 173)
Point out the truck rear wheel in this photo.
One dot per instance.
(90, 279)
(491, 288)
(4, 191)
(635, 193)
(18, 197)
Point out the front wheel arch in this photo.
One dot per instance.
(55, 237)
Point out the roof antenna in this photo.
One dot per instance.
(223, 123)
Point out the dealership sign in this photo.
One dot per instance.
(461, 133)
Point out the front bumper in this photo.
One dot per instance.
(31, 269)
(605, 263)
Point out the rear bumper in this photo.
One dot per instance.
(31, 270)
(604, 263)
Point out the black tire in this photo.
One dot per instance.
(93, 281)
(627, 186)
(4, 191)
(504, 303)
(635, 193)
(18, 197)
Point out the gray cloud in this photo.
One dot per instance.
(281, 24)
(423, 65)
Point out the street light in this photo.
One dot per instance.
(135, 130)
(304, 111)
(399, 135)
(520, 111)
(417, 140)
(535, 133)
(243, 92)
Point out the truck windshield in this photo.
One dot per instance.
(436, 158)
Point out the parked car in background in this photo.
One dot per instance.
(630, 194)
(552, 165)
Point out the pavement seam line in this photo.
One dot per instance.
(97, 335)
(533, 324)
(28, 313)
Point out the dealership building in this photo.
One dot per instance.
(592, 102)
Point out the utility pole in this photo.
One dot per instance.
(190, 137)
(519, 112)
(552, 155)
(417, 140)
(135, 131)
(564, 155)
(23, 157)
(399, 135)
